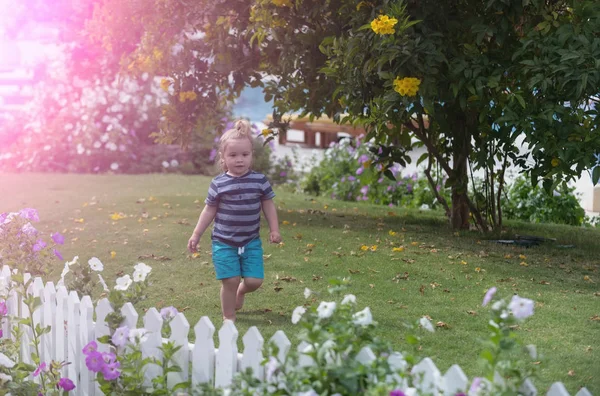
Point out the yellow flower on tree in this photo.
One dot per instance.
(165, 83)
(383, 24)
(158, 55)
(555, 162)
(407, 86)
(187, 95)
(266, 132)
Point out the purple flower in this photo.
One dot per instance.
(520, 307)
(30, 230)
(364, 189)
(213, 155)
(29, 214)
(92, 346)
(3, 308)
(365, 198)
(111, 371)
(488, 296)
(380, 151)
(409, 187)
(3, 217)
(397, 392)
(168, 313)
(94, 361)
(289, 164)
(343, 179)
(389, 188)
(39, 369)
(438, 188)
(283, 174)
(391, 205)
(39, 245)
(66, 384)
(109, 357)
(57, 254)
(351, 178)
(359, 171)
(363, 158)
(119, 338)
(58, 238)
(380, 180)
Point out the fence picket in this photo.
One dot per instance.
(226, 359)
(180, 328)
(48, 312)
(429, 375)
(153, 323)
(253, 356)
(86, 335)
(304, 360)
(60, 318)
(130, 316)
(4, 287)
(283, 345)
(203, 355)
(455, 380)
(557, 389)
(583, 392)
(73, 338)
(26, 330)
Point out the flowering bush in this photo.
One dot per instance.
(24, 247)
(347, 173)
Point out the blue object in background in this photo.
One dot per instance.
(251, 104)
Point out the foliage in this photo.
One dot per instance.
(533, 204)
(403, 69)
(347, 172)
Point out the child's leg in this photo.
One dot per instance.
(252, 270)
(247, 286)
(229, 288)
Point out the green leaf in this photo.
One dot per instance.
(104, 339)
(422, 158)
(596, 175)
(411, 339)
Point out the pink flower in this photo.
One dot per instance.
(57, 254)
(488, 296)
(39, 245)
(94, 361)
(92, 346)
(111, 371)
(520, 307)
(3, 308)
(39, 369)
(66, 384)
(359, 171)
(29, 214)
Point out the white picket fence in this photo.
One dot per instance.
(73, 326)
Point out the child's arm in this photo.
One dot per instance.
(206, 217)
(270, 210)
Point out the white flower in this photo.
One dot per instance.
(497, 305)
(96, 264)
(65, 271)
(349, 299)
(4, 378)
(74, 261)
(397, 362)
(5, 361)
(307, 292)
(363, 318)
(310, 392)
(297, 314)
(426, 324)
(270, 368)
(521, 307)
(165, 164)
(123, 283)
(325, 309)
(138, 336)
(141, 272)
(114, 166)
(174, 163)
(101, 280)
(424, 207)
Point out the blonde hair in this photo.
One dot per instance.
(241, 130)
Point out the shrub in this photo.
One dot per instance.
(347, 173)
(533, 204)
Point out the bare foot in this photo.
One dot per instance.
(239, 300)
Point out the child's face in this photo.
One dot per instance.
(238, 156)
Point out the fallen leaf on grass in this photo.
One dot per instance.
(544, 282)
(297, 237)
(316, 277)
(278, 288)
(267, 310)
(354, 271)
(595, 318)
(422, 290)
(398, 249)
(434, 285)
(399, 277)
(288, 279)
(409, 261)
(183, 222)
(159, 258)
(473, 313)
(507, 256)
(338, 254)
(266, 256)
(571, 373)
(524, 264)
(442, 325)
(371, 285)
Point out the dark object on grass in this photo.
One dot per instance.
(518, 242)
(534, 238)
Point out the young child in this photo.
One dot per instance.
(234, 202)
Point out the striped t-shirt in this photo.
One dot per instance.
(238, 201)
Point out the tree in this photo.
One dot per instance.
(466, 79)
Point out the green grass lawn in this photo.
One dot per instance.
(440, 273)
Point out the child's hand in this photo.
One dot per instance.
(274, 237)
(193, 243)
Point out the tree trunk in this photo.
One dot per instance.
(461, 149)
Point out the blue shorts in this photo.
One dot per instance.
(230, 261)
